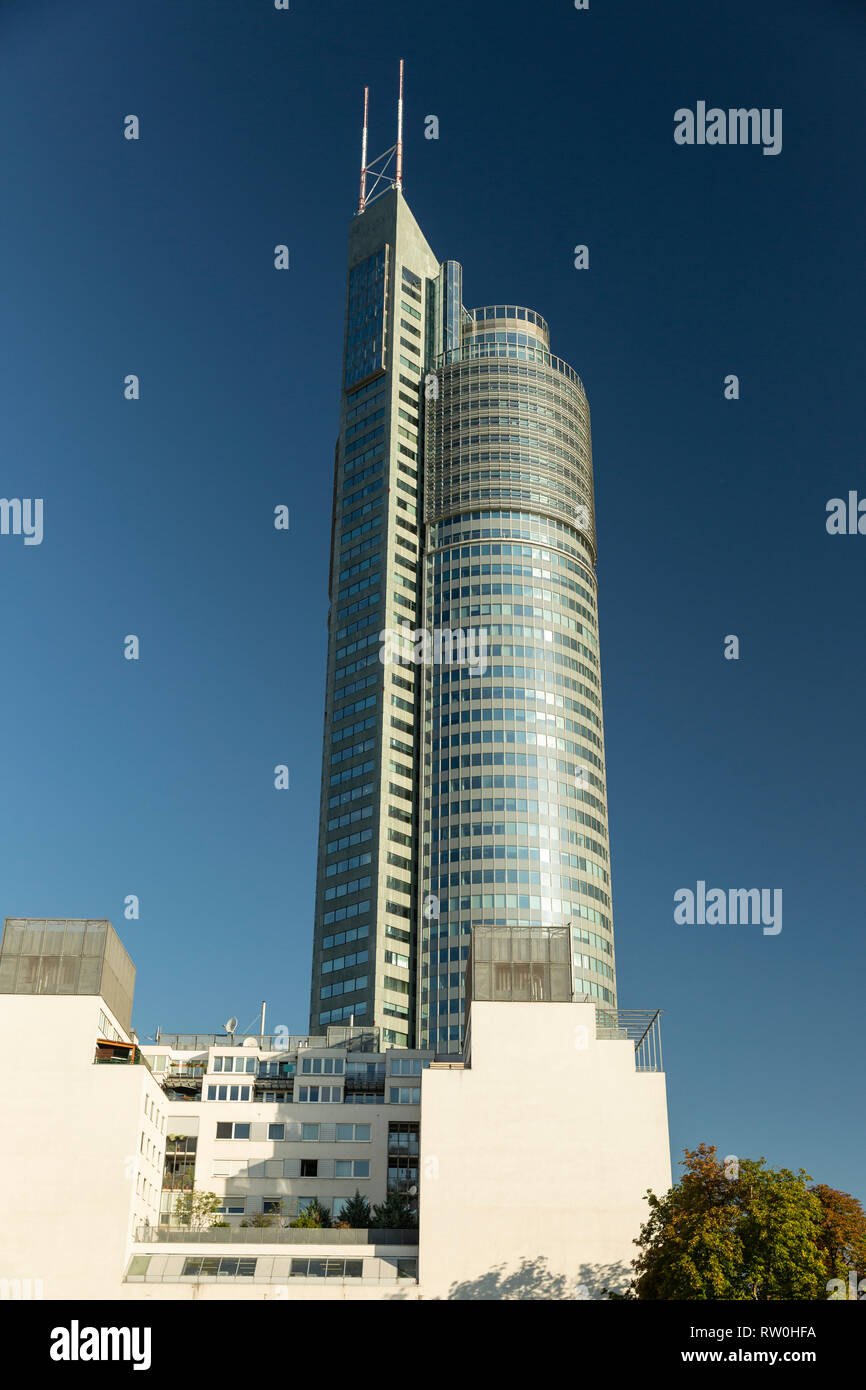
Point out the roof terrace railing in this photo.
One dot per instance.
(639, 1026)
(275, 1235)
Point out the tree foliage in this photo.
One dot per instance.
(356, 1212)
(395, 1212)
(313, 1215)
(842, 1238)
(737, 1230)
(198, 1210)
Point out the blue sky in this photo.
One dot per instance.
(156, 257)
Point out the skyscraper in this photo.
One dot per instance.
(465, 785)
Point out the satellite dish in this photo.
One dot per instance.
(230, 1025)
(250, 1042)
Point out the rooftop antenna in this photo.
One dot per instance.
(363, 198)
(398, 181)
(380, 169)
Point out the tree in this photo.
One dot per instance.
(842, 1238)
(395, 1212)
(198, 1210)
(259, 1219)
(313, 1215)
(736, 1231)
(356, 1212)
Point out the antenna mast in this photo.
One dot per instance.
(398, 181)
(363, 198)
(380, 169)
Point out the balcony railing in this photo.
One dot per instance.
(639, 1026)
(275, 1235)
(110, 1053)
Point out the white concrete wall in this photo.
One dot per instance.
(535, 1159)
(71, 1148)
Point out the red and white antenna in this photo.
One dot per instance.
(363, 198)
(379, 169)
(398, 181)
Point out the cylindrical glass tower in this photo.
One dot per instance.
(513, 802)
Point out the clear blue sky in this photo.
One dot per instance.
(156, 257)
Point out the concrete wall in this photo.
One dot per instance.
(535, 1159)
(71, 1155)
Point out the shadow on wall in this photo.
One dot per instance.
(533, 1279)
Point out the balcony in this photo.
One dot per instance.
(183, 1077)
(365, 1083)
(274, 1083)
(111, 1053)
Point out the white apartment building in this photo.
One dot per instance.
(529, 1155)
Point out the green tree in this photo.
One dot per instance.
(259, 1219)
(313, 1215)
(734, 1230)
(198, 1210)
(842, 1238)
(356, 1212)
(395, 1212)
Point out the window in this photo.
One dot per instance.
(272, 1206)
(138, 1266)
(403, 1138)
(352, 1168)
(347, 1133)
(320, 1094)
(228, 1092)
(276, 1131)
(231, 1206)
(326, 1269)
(408, 1066)
(245, 1064)
(405, 1095)
(310, 1132)
(227, 1267)
(276, 1069)
(309, 1167)
(180, 1151)
(227, 1130)
(317, 1066)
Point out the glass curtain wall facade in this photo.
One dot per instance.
(456, 793)
(515, 829)
(364, 953)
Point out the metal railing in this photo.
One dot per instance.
(352, 1037)
(201, 1042)
(639, 1026)
(275, 1235)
